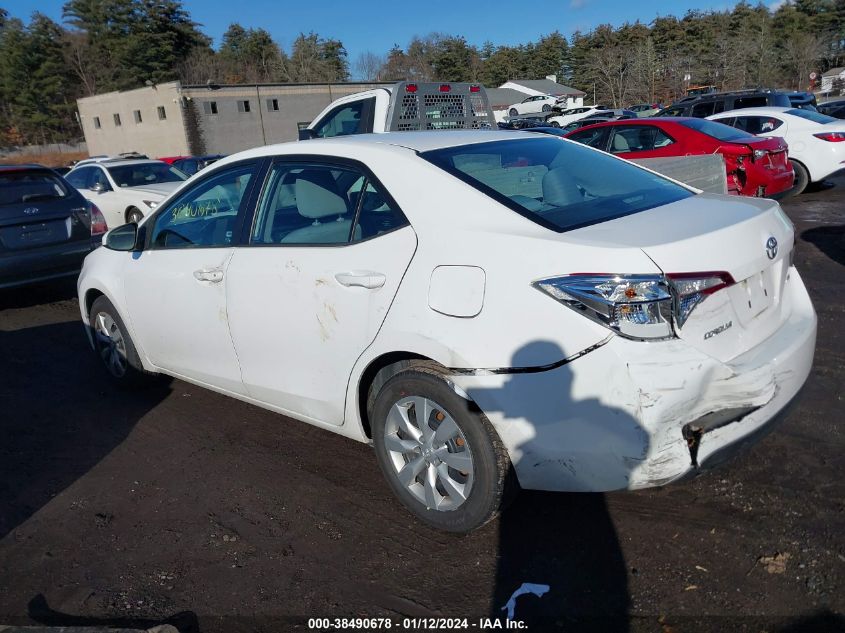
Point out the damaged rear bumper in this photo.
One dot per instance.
(632, 414)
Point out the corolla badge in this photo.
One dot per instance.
(772, 247)
(31, 210)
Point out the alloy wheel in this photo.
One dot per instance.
(110, 344)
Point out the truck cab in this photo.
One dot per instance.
(405, 106)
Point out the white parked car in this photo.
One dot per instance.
(424, 292)
(574, 114)
(816, 141)
(125, 190)
(533, 105)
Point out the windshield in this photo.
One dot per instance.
(141, 174)
(18, 187)
(556, 183)
(718, 131)
(810, 115)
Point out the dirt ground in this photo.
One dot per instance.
(180, 505)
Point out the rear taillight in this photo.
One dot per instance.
(690, 289)
(635, 306)
(98, 221)
(831, 137)
(475, 88)
(445, 88)
(410, 88)
(759, 153)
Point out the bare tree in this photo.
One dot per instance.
(801, 52)
(368, 66)
(611, 69)
(76, 55)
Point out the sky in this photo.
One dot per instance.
(376, 25)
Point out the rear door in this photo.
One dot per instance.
(327, 251)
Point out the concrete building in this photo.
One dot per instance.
(172, 120)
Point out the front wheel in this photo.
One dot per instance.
(554, 123)
(547, 108)
(440, 455)
(114, 346)
(512, 112)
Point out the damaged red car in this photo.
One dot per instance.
(755, 166)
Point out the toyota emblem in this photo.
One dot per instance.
(772, 247)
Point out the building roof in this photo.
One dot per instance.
(834, 71)
(548, 86)
(503, 97)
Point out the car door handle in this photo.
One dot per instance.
(366, 279)
(214, 275)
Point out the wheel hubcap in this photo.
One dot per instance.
(110, 344)
(430, 455)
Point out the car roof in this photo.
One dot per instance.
(22, 167)
(759, 110)
(119, 162)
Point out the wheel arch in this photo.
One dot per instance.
(378, 371)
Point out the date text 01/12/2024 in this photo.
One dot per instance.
(414, 624)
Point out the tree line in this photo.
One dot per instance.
(105, 45)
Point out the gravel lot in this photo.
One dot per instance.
(180, 505)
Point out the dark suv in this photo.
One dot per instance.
(46, 226)
(702, 106)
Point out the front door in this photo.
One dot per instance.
(308, 295)
(176, 286)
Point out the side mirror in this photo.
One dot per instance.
(98, 187)
(306, 133)
(122, 238)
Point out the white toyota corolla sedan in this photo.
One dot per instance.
(484, 308)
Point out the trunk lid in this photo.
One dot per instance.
(711, 233)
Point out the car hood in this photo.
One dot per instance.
(156, 189)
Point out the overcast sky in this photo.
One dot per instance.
(376, 25)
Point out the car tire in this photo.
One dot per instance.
(802, 178)
(133, 214)
(554, 123)
(547, 108)
(114, 346)
(423, 464)
(512, 112)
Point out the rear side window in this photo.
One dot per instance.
(556, 184)
(350, 118)
(809, 115)
(322, 204)
(757, 124)
(701, 110)
(672, 111)
(752, 102)
(20, 187)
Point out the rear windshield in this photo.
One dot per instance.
(142, 174)
(718, 131)
(810, 115)
(20, 187)
(556, 183)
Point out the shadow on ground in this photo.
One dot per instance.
(830, 240)
(60, 416)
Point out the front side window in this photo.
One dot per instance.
(79, 177)
(638, 138)
(205, 215)
(318, 204)
(556, 184)
(343, 121)
(99, 179)
(140, 174)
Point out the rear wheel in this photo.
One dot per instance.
(134, 215)
(547, 108)
(440, 455)
(554, 123)
(513, 112)
(114, 345)
(802, 178)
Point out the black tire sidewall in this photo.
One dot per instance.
(802, 178)
(512, 112)
(488, 483)
(132, 211)
(547, 108)
(134, 367)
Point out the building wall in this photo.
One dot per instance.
(233, 129)
(152, 136)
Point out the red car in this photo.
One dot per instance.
(755, 165)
